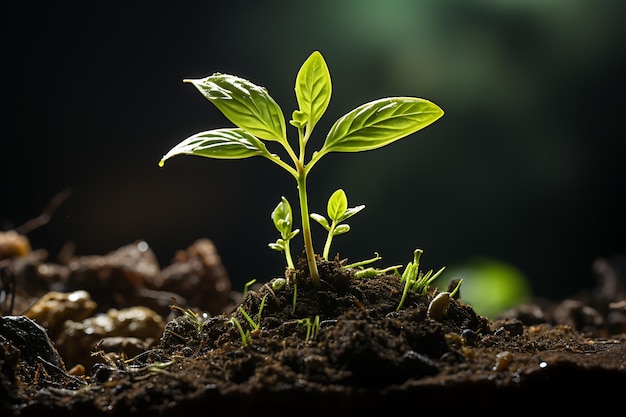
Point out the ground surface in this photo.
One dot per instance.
(340, 347)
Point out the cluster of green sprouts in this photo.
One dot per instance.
(259, 118)
(246, 335)
(312, 327)
(338, 211)
(414, 279)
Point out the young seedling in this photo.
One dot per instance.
(364, 262)
(282, 218)
(371, 272)
(191, 315)
(259, 118)
(245, 335)
(338, 211)
(414, 279)
(251, 322)
(312, 327)
(247, 286)
(374, 272)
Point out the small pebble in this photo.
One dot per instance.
(503, 360)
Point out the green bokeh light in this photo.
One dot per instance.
(490, 286)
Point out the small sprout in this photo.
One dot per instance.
(370, 272)
(409, 272)
(414, 279)
(338, 211)
(312, 327)
(191, 315)
(306, 322)
(159, 365)
(246, 286)
(376, 257)
(245, 335)
(261, 311)
(282, 218)
(457, 288)
(374, 272)
(253, 324)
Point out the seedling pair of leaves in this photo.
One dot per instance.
(338, 211)
(258, 119)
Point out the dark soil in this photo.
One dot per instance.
(366, 356)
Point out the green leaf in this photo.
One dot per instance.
(337, 205)
(282, 217)
(220, 144)
(299, 119)
(351, 212)
(341, 229)
(321, 220)
(278, 246)
(313, 88)
(292, 234)
(379, 123)
(247, 105)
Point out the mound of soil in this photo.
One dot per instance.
(290, 347)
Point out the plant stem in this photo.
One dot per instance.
(306, 226)
(329, 240)
(290, 264)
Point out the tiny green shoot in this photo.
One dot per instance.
(338, 211)
(282, 218)
(247, 286)
(371, 272)
(312, 327)
(258, 118)
(245, 335)
(364, 262)
(253, 324)
(191, 315)
(261, 311)
(456, 288)
(374, 272)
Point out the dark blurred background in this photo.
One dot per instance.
(526, 167)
